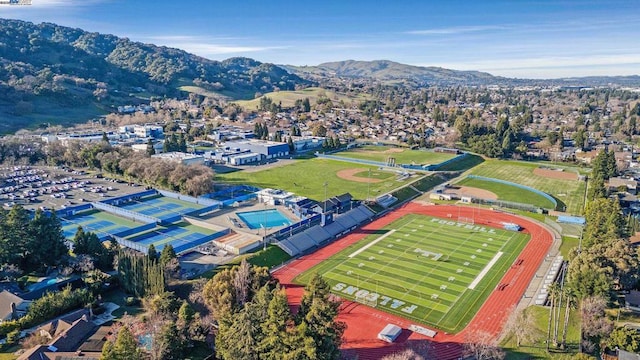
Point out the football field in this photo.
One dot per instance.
(430, 270)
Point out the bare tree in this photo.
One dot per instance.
(522, 325)
(415, 351)
(481, 345)
(242, 282)
(594, 322)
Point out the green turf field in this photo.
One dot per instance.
(569, 192)
(402, 156)
(306, 178)
(509, 193)
(429, 270)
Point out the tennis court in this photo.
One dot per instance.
(161, 207)
(181, 236)
(99, 222)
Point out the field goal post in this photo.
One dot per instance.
(466, 220)
(366, 300)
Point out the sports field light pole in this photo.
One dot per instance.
(264, 239)
(369, 184)
(325, 195)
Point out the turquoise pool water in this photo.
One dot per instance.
(263, 218)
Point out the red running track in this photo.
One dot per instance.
(364, 323)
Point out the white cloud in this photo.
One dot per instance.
(554, 66)
(456, 30)
(205, 47)
(63, 3)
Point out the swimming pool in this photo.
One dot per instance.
(263, 218)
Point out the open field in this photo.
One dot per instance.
(306, 178)
(508, 193)
(402, 156)
(433, 271)
(569, 192)
(288, 98)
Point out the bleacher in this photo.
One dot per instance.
(317, 235)
(386, 200)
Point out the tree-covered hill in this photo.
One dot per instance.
(51, 73)
(389, 70)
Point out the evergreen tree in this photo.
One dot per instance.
(16, 235)
(150, 149)
(306, 105)
(124, 348)
(152, 253)
(186, 312)
(167, 254)
(105, 138)
(292, 147)
(319, 313)
(182, 143)
(274, 329)
(604, 221)
(238, 340)
(597, 190)
(88, 243)
(171, 344)
(46, 242)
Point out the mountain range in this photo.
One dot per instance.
(57, 74)
(385, 70)
(51, 74)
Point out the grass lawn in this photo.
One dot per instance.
(402, 156)
(306, 178)
(425, 269)
(465, 163)
(508, 192)
(568, 243)
(7, 354)
(119, 297)
(271, 257)
(288, 98)
(538, 349)
(570, 192)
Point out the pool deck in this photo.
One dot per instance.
(227, 217)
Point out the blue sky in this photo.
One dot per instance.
(515, 38)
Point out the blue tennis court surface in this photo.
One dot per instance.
(161, 207)
(180, 237)
(98, 222)
(264, 218)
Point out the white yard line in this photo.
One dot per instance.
(484, 271)
(355, 253)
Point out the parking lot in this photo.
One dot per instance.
(55, 187)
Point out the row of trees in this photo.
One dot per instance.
(189, 179)
(140, 275)
(255, 321)
(603, 168)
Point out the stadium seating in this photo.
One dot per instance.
(317, 235)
